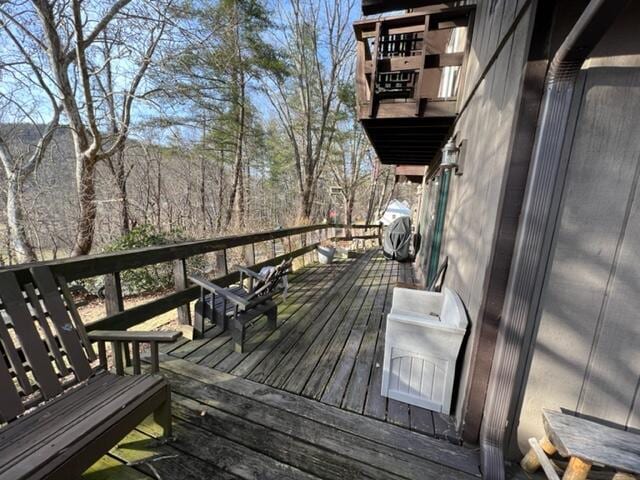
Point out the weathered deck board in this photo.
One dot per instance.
(329, 322)
(362, 439)
(260, 365)
(328, 346)
(356, 389)
(376, 404)
(312, 347)
(339, 380)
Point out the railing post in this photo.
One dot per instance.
(273, 248)
(113, 301)
(180, 281)
(220, 263)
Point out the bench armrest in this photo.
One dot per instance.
(218, 290)
(142, 337)
(120, 341)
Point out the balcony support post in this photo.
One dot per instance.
(374, 69)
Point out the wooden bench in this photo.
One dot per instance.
(60, 409)
(585, 443)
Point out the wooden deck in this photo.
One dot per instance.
(303, 401)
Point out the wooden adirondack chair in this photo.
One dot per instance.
(238, 304)
(60, 410)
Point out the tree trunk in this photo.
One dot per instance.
(306, 207)
(348, 212)
(18, 240)
(237, 169)
(85, 172)
(121, 182)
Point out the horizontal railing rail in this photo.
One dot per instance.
(110, 265)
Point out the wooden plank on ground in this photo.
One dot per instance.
(376, 404)
(341, 453)
(302, 350)
(227, 455)
(251, 365)
(108, 468)
(337, 383)
(147, 454)
(304, 293)
(389, 435)
(356, 393)
(327, 322)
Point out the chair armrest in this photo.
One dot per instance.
(120, 344)
(248, 272)
(216, 289)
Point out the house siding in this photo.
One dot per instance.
(585, 357)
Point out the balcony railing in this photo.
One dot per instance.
(260, 249)
(416, 58)
(410, 68)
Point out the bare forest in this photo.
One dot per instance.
(185, 118)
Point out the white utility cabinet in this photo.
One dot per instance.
(422, 343)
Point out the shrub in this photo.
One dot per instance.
(153, 277)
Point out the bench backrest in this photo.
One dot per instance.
(44, 348)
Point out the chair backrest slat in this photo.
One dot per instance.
(52, 343)
(66, 331)
(82, 332)
(10, 401)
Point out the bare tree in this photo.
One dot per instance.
(318, 43)
(348, 167)
(67, 33)
(19, 161)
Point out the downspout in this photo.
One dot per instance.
(533, 246)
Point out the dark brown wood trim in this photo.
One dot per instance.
(521, 145)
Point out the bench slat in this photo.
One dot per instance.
(60, 317)
(10, 402)
(42, 320)
(30, 341)
(14, 360)
(593, 442)
(82, 333)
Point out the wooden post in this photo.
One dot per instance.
(374, 70)
(220, 263)
(530, 462)
(113, 301)
(417, 94)
(578, 469)
(180, 281)
(273, 248)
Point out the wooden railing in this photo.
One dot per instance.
(110, 265)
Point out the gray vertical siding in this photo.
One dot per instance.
(492, 90)
(586, 355)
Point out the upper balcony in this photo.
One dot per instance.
(409, 73)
